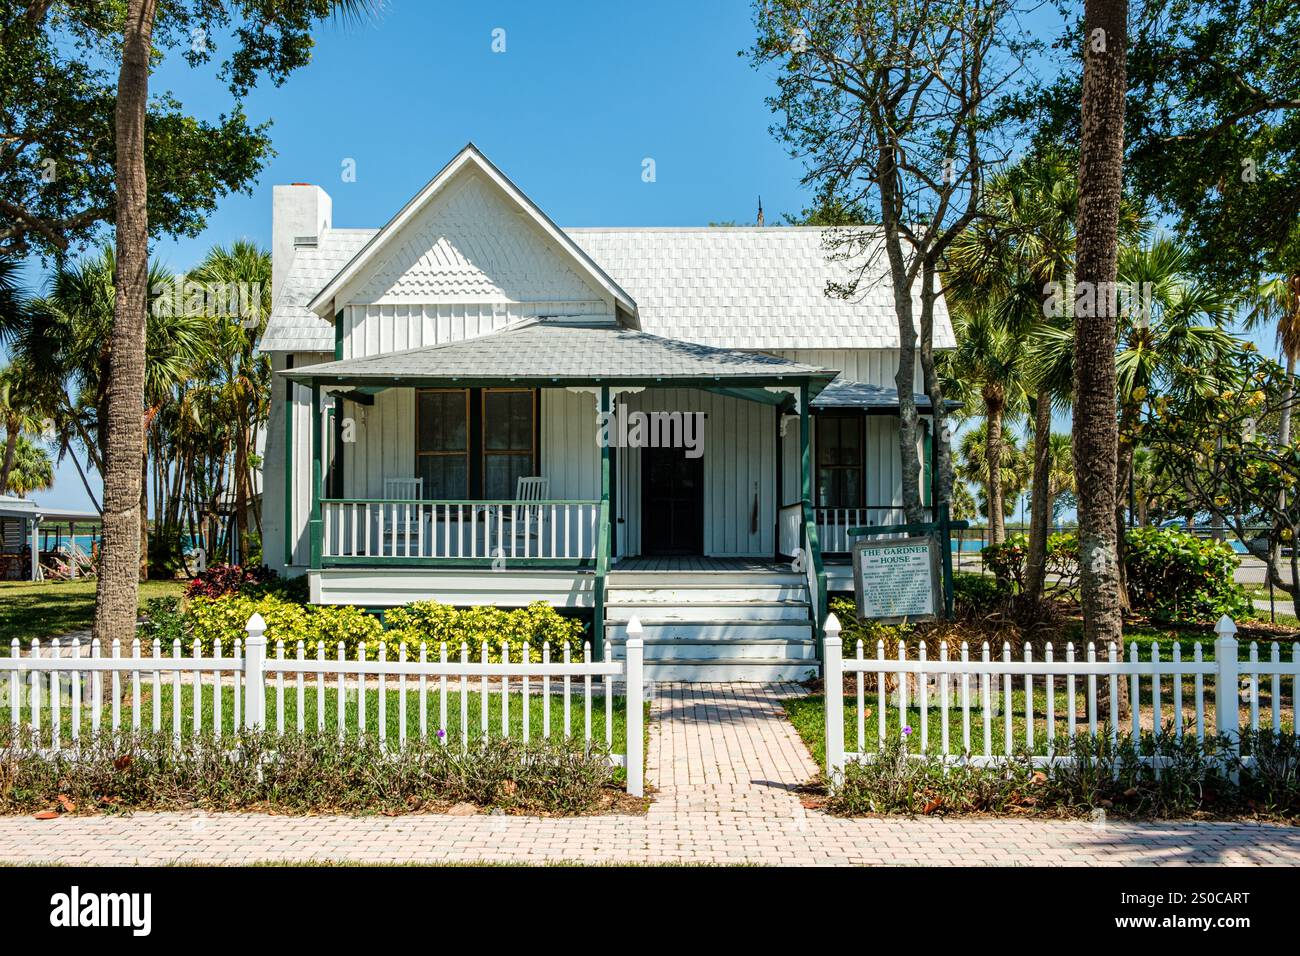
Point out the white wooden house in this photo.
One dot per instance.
(436, 427)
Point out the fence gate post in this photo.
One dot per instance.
(255, 673)
(833, 694)
(1227, 688)
(634, 649)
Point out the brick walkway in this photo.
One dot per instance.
(725, 761)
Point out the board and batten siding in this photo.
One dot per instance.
(378, 329)
(739, 443)
(385, 443)
(275, 514)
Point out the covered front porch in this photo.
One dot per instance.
(524, 464)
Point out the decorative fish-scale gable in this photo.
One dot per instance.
(472, 245)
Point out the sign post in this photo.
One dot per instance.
(897, 579)
(907, 566)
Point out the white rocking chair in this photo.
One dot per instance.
(528, 522)
(401, 519)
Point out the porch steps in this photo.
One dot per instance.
(714, 625)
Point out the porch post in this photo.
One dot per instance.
(315, 526)
(602, 541)
(805, 468)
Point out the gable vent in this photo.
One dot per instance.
(305, 242)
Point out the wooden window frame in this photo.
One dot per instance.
(476, 452)
(467, 453)
(861, 467)
(484, 453)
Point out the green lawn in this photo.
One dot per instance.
(808, 713)
(391, 717)
(45, 609)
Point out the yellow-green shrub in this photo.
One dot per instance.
(226, 618)
(432, 623)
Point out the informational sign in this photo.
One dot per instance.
(897, 579)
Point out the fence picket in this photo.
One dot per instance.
(1178, 689)
(401, 698)
(1092, 691)
(76, 693)
(1071, 706)
(1199, 690)
(1049, 684)
(1029, 701)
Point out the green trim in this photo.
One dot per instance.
(317, 490)
(338, 336)
(289, 459)
(462, 501)
(812, 548)
(382, 561)
(541, 381)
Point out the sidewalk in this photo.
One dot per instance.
(726, 762)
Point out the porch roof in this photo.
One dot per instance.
(551, 352)
(872, 398)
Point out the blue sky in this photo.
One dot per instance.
(584, 92)
(582, 95)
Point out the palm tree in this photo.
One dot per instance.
(20, 412)
(1013, 467)
(1172, 339)
(1020, 257)
(31, 469)
(66, 341)
(238, 378)
(986, 372)
(1101, 181)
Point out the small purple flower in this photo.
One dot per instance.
(907, 731)
(441, 733)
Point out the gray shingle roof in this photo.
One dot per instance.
(746, 287)
(845, 394)
(547, 351)
(292, 327)
(730, 287)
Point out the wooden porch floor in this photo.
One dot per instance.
(696, 562)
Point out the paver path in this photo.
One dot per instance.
(725, 761)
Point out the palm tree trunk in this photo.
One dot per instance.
(11, 453)
(1101, 161)
(118, 584)
(1040, 505)
(993, 456)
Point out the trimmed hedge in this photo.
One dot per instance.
(212, 619)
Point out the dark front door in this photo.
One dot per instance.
(672, 502)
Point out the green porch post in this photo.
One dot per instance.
(602, 542)
(812, 548)
(315, 525)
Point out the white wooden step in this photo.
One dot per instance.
(713, 630)
(755, 670)
(794, 650)
(692, 593)
(708, 610)
(669, 579)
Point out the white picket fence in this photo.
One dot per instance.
(42, 685)
(978, 722)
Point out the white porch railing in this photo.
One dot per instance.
(413, 529)
(979, 721)
(833, 524)
(307, 689)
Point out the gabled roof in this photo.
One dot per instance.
(469, 156)
(752, 287)
(554, 352)
(293, 327)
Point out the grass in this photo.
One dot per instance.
(474, 710)
(45, 609)
(807, 714)
(391, 705)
